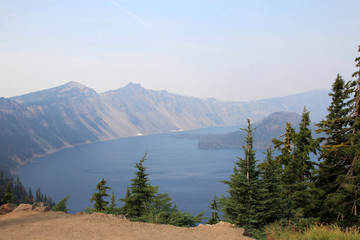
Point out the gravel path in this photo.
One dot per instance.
(56, 225)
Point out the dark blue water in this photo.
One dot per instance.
(190, 175)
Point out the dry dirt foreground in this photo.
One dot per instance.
(58, 225)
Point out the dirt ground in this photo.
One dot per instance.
(57, 225)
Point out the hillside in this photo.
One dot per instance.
(266, 129)
(42, 122)
(58, 225)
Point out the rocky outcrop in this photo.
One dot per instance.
(9, 207)
(25, 207)
(6, 208)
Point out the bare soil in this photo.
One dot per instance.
(57, 225)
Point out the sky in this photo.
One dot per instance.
(239, 50)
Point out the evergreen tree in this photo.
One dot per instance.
(100, 204)
(302, 187)
(296, 166)
(61, 206)
(285, 146)
(277, 205)
(45, 199)
(126, 208)
(348, 192)
(141, 192)
(16, 191)
(31, 197)
(341, 154)
(9, 195)
(112, 209)
(336, 126)
(38, 195)
(214, 211)
(351, 182)
(143, 203)
(245, 204)
(162, 210)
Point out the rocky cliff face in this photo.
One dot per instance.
(42, 122)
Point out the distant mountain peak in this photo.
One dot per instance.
(70, 89)
(132, 85)
(74, 84)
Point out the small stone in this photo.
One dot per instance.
(42, 209)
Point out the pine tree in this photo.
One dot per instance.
(125, 209)
(100, 204)
(214, 211)
(341, 153)
(277, 205)
(352, 179)
(141, 192)
(9, 195)
(285, 146)
(297, 169)
(142, 202)
(303, 166)
(112, 209)
(38, 195)
(336, 126)
(61, 206)
(286, 157)
(348, 192)
(245, 204)
(31, 197)
(161, 210)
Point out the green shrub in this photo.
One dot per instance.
(61, 206)
(313, 232)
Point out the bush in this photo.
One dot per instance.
(61, 206)
(316, 231)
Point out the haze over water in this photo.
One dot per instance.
(190, 175)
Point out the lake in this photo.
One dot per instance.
(190, 175)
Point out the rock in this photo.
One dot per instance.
(100, 214)
(79, 213)
(42, 209)
(225, 224)
(6, 208)
(122, 216)
(25, 207)
(39, 204)
(246, 233)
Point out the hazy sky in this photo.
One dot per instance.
(229, 49)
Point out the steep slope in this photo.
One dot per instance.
(42, 122)
(17, 141)
(265, 130)
(66, 115)
(160, 111)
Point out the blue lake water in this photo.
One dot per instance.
(190, 175)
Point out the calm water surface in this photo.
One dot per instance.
(190, 175)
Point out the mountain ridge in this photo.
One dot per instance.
(272, 126)
(73, 114)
